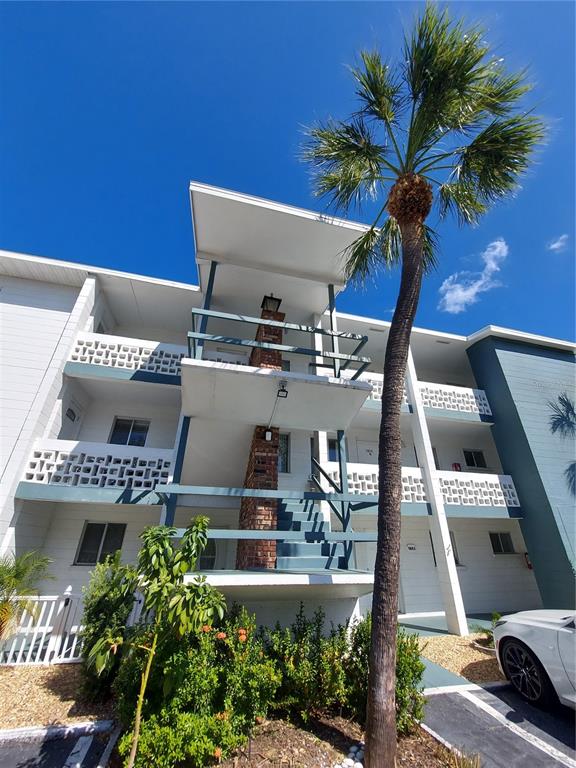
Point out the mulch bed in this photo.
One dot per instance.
(324, 742)
(41, 696)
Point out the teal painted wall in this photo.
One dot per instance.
(520, 380)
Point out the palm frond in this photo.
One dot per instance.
(347, 161)
(461, 200)
(378, 91)
(430, 252)
(563, 418)
(376, 248)
(493, 161)
(570, 475)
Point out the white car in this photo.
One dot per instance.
(536, 651)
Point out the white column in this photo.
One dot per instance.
(446, 565)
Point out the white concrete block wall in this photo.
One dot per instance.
(33, 316)
(488, 582)
(72, 314)
(100, 414)
(65, 530)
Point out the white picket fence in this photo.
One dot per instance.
(48, 630)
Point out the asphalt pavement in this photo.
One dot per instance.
(70, 752)
(497, 724)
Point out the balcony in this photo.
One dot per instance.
(248, 394)
(69, 470)
(96, 355)
(465, 494)
(439, 400)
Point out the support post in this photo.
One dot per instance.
(446, 565)
(343, 470)
(199, 346)
(169, 509)
(334, 327)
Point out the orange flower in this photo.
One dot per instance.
(218, 753)
(242, 638)
(221, 636)
(206, 628)
(241, 631)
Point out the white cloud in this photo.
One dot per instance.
(559, 244)
(461, 289)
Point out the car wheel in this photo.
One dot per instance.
(526, 673)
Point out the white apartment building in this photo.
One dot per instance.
(128, 401)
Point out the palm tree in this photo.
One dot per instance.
(19, 577)
(444, 127)
(563, 421)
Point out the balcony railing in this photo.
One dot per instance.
(335, 361)
(446, 397)
(458, 488)
(97, 465)
(135, 355)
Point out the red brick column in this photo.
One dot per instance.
(259, 514)
(268, 358)
(262, 468)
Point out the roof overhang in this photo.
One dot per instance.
(234, 228)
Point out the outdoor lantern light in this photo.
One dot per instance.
(282, 391)
(271, 303)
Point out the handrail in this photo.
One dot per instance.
(166, 489)
(199, 337)
(278, 324)
(325, 475)
(331, 504)
(275, 535)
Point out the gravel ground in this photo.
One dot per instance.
(34, 695)
(458, 655)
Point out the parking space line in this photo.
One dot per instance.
(76, 757)
(529, 737)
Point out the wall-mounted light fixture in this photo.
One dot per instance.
(271, 303)
(282, 391)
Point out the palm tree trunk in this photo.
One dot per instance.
(381, 708)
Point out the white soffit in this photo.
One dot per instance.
(253, 232)
(248, 395)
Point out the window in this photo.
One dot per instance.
(332, 449)
(475, 459)
(98, 541)
(129, 432)
(285, 365)
(207, 559)
(284, 453)
(502, 543)
(454, 548)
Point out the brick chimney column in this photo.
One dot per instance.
(262, 468)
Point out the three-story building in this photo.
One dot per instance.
(129, 401)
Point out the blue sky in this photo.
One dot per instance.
(108, 109)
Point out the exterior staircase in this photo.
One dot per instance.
(305, 516)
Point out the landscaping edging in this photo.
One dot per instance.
(56, 731)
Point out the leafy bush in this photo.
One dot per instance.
(311, 664)
(205, 692)
(409, 671)
(175, 739)
(108, 600)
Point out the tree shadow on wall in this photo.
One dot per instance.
(563, 422)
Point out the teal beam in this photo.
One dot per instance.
(258, 493)
(279, 324)
(172, 500)
(80, 494)
(278, 347)
(302, 536)
(198, 346)
(332, 315)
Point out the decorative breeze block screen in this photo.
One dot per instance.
(96, 470)
(479, 491)
(455, 399)
(365, 482)
(136, 356)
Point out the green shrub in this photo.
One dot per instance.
(409, 671)
(311, 664)
(177, 739)
(108, 600)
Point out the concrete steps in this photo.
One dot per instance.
(306, 555)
